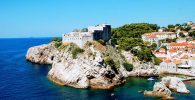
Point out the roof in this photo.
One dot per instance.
(178, 44)
(151, 36)
(177, 62)
(185, 57)
(167, 60)
(162, 49)
(172, 50)
(158, 52)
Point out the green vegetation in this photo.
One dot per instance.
(128, 67)
(128, 37)
(157, 61)
(110, 61)
(76, 51)
(192, 34)
(55, 39)
(153, 46)
(181, 34)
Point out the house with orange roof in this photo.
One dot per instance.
(176, 45)
(162, 50)
(154, 37)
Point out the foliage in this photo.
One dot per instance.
(76, 51)
(192, 34)
(157, 61)
(110, 61)
(129, 36)
(171, 26)
(55, 39)
(58, 44)
(187, 28)
(128, 66)
(181, 34)
(128, 43)
(153, 46)
(144, 54)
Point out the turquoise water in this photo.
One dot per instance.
(20, 79)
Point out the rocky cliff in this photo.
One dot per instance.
(88, 70)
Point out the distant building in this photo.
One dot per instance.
(97, 32)
(154, 37)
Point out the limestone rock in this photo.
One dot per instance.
(163, 88)
(159, 90)
(176, 84)
(87, 70)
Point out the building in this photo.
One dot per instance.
(154, 37)
(97, 32)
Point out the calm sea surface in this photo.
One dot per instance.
(22, 80)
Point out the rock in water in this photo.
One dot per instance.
(159, 90)
(162, 89)
(87, 70)
(176, 84)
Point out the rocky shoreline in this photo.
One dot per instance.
(88, 69)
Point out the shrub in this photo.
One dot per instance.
(128, 66)
(157, 61)
(76, 51)
(56, 39)
(58, 44)
(110, 61)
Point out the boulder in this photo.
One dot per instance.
(159, 90)
(175, 84)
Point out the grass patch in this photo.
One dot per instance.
(76, 51)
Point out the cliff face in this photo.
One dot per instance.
(140, 68)
(87, 70)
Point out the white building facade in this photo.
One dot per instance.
(102, 32)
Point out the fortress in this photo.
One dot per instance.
(102, 31)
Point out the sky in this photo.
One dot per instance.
(52, 18)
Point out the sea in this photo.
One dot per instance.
(23, 80)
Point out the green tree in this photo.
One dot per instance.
(153, 46)
(171, 26)
(192, 34)
(181, 34)
(157, 61)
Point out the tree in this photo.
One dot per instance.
(192, 34)
(181, 34)
(153, 46)
(157, 61)
(187, 28)
(130, 35)
(171, 26)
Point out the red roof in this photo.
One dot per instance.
(178, 44)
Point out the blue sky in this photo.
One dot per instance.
(48, 18)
